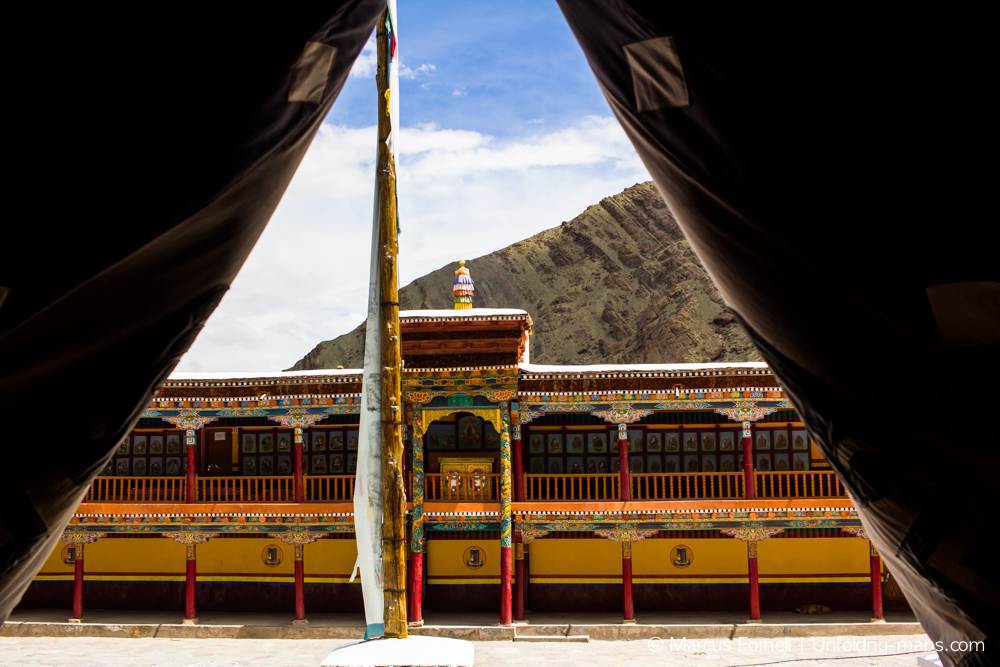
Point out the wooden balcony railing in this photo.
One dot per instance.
(246, 489)
(688, 485)
(329, 488)
(137, 489)
(572, 487)
(815, 484)
(462, 487)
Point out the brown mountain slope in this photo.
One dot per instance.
(617, 284)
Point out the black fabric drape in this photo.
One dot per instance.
(151, 149)
(828, 170)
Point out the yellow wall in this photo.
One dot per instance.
(331, 561)
(446, 565)
(712, 561)
(824, 558)
(583, 560)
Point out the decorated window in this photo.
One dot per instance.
(780, 449)
(325, 451)
(149, 453)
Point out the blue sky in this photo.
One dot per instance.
(504, 134)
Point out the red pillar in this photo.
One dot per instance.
(623, 462)
(627, 581)
(506, 617)
(300, 491)
(192, 466)
(191, 576)
(77, 583)
(748, 481)
(754, 588)
(416, 602)
(519, 582)
(300, 583)
(876, 574)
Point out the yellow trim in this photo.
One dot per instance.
(693, 580)
(449, 582)
(283, 579)
(131, 577)
(581, 580)
(53, 577)
(814, 580)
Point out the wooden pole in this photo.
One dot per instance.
(394, 496)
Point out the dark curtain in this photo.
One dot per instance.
(830, 168)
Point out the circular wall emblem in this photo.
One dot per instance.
(271, 555)
(69, 554)
(681, 556)
(474, 557)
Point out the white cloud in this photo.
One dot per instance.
(462, 194)
(458, 92)
(536, 121)
(366, 64)
(407, 73)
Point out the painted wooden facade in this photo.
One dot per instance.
(530, 488)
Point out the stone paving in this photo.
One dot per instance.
(878, 651)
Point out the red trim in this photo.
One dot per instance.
(623, 469)
(505, 588)
(191, 468)
(416, 610)
(300, 491)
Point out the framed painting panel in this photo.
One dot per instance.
(574, 465)
(781, 440)
(691, 464)
(764, 462)
(671, 442)
(156, 444)
(470, 433)
(554, 444)
(762, 441)
(636, 440)
(597, 443)
(654, 442)
(555, 465)
(800, 441)
(336, 464)
(285, 442)
(727, 463)
(800, 461)
(173, 466)
(139, 467)
(352, 464)
(352, 441)
(249, 465)
(109, 469)
(267, 465)
(709, 463)
(536, 445)
(708, 442)
(597, 465)
(125, 446)
(319, 464)
(654, 462)
(285, 465)
(336, 441)
(728, 441)
(672, 463)
(437, 433)
(613, 441)
(173, 444)
(491, 439)
(156, 466)
(139, 444)
(266, 443)
(121, 467)
(318, 442)
(616, 464)
(537, 465)
(249, 443)
(575, 443)
(636, 464)
(781, 461)
(690, 442)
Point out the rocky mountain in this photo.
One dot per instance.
(617, 284)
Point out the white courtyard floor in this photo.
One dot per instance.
(879, 651)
